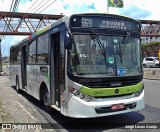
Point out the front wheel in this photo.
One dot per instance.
(17, 85)
(46, 101)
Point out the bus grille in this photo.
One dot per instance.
(108, 84)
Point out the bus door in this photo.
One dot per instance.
(24, 66)
(57, 68)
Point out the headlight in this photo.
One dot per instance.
(80, 95)
(138, 93)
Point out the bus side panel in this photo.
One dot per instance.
(12, 73)
(15, 70)
(36, 74)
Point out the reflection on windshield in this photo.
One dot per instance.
(86, 58)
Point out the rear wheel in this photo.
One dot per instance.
(17, 85)
(46, 101)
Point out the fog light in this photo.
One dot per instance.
(137, 93)
(81, 95)
(88, 98)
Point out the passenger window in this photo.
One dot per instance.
(15, 55)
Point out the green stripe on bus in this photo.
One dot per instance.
(100, 92)
(43, 30)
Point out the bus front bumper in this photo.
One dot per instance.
(80, 109)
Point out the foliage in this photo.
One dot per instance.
(152, 46)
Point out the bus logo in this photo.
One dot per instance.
(116, 91)
(6, 126)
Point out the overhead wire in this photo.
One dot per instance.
(41, 2)
(42, 6)
(48, 6)
(32, 5)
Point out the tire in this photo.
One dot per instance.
(46, 101)
(17, 85)
(144, 65)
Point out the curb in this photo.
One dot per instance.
(151, 78)
(151, 74)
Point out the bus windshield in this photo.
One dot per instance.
(104, 55)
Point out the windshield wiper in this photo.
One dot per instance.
(123, 45)
(101, 46)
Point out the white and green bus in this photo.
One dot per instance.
(85, 65)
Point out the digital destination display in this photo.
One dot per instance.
(104, 22)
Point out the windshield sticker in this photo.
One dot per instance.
(111, 71)
(111, 59)
(121, 71)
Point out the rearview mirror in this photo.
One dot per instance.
(67, 40)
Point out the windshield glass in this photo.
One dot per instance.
(112, 56)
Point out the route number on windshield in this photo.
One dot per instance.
(86, 22)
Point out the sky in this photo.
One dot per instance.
(137, 9)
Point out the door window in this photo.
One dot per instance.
(32, 52)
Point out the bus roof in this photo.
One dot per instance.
(66, 20)
(107, 14)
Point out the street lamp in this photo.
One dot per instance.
(0, 57)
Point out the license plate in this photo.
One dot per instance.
(117, 106)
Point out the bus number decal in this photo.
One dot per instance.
(86, 22)
(98, 93)
(44, 69)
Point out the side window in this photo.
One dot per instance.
(42, 49)
(15, 55)
(32, 52)
(147, 59)
(151, 59)
(12, 56)
(19, 57)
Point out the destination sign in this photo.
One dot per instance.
(104, 22)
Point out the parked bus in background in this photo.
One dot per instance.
(85, 65)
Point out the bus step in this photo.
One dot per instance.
(56, 107)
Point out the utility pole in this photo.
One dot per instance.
(0, 57)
